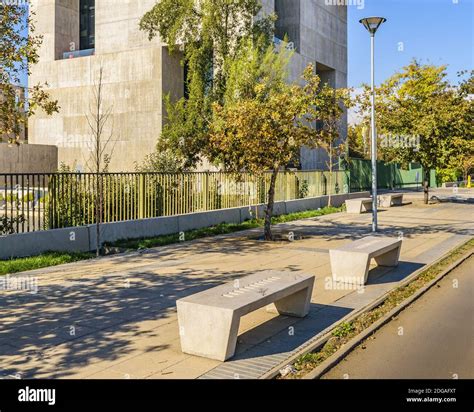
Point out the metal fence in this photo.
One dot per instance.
(32, 202)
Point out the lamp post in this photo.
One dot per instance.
(372, 24)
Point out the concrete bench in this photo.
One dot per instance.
(392, 199)
(363, 204)
(209, 321)
(350, 263)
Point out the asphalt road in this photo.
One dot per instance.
(432, 338)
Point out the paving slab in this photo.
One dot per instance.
(123, 307)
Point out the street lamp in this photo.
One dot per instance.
(372, 24)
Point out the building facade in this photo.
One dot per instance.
(81, 36)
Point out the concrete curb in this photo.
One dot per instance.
(327, 333)
(333, 360)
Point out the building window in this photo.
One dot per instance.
(87, 24)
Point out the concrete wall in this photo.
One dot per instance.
(83, 239)
(319, 32)
(137, 74)
(28, 158)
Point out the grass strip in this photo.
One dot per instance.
(38, 262)
(345, 331)
(222, 229)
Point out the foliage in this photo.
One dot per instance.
(303, 189)
(8, 224)
(264, 120)
(18, 52)
(208, 34)
(343, 329)
(358, 141)
(66, 198)
(419, 102)
(160, 161)
(326, 110)
(446, 175)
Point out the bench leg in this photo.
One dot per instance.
(385, 201)
(398, 201)
(207, 332)
(351, 268)
(366, 208)
(389, 259)
(354, 208)
(296, 305)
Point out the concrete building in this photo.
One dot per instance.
(80, 36)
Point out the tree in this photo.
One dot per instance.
(264, 120)
(326, 110)
(208, 34)
(358, 141)
(163, 161)
(420, 103)
(18, 52)
(463, 159)
(98, 119)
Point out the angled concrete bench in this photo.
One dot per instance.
(350, 263)
(357, 206)
(392, 199)
(209, 321)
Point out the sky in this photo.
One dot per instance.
(434, 31)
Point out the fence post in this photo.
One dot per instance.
(141, 197)
(206, 191)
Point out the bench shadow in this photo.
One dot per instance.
(379, 274)
(284, 334)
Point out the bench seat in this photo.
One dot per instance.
(392, 199)
(209, 321)
(357, 206)
(351, 262)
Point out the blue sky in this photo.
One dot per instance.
(434, 31)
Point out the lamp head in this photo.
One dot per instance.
(372, 24)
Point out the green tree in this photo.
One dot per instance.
(358, 141)
(420, 103)
(326, 111)
(264, 120)
(18, 52)
(208, 34)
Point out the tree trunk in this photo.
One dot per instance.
(271, 203)
(426, 185)
(330, 175)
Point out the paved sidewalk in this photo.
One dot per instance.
(116, 317)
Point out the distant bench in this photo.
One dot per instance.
(350, 263)
(357, 206)
(392, 199)
(209, 321)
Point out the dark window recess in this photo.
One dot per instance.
(87, 24)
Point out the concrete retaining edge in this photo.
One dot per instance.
(83, 239)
